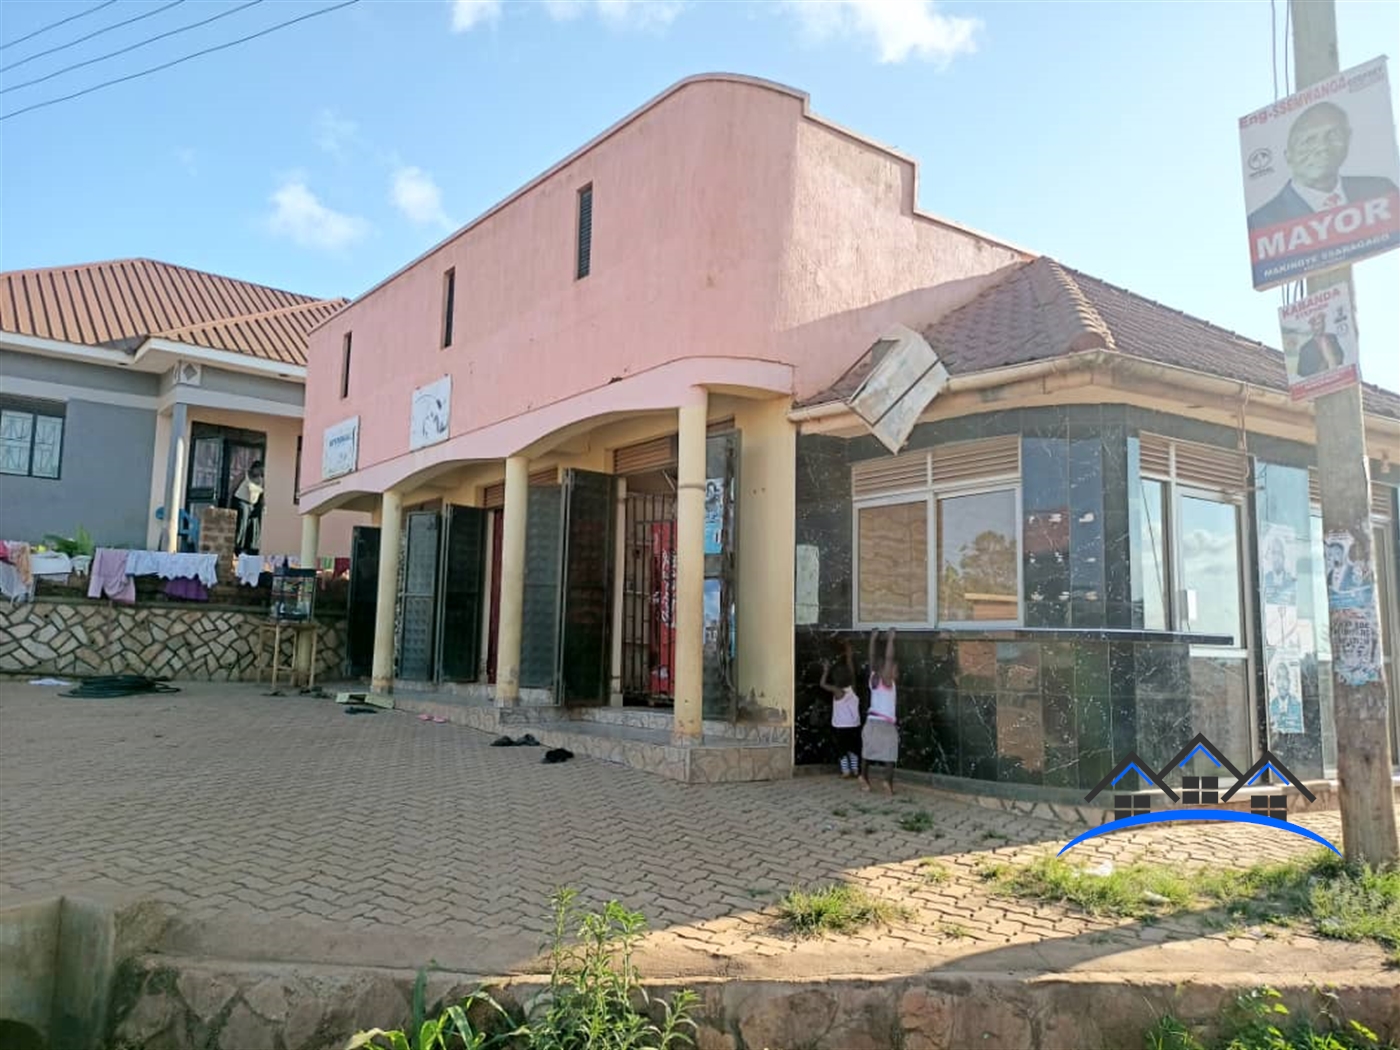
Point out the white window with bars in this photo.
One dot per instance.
(937, 536)
(31, 438)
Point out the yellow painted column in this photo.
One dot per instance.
(690, 570)
(310, 545)
(386, 605)
(512, 581)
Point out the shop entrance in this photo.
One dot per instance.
(648, 590)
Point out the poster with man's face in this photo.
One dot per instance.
(1285, 694)
(1320, 177)
(1319, 343)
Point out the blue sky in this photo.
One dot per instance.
(324, 156)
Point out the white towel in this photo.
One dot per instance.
(250, 567)
(167, 566)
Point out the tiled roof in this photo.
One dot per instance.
(119, 304)
(1042, 309)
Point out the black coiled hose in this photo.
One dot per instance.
(109, 686)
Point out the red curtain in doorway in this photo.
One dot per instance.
(663, 606)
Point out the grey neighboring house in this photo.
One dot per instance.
(130, 386)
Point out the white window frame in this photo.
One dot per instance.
(979, 487)
(929, 495)
(924, 496)
(1173, 592)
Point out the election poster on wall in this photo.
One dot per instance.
(1319, 343)
(1320, 177)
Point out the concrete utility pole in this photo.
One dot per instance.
(1363, 730)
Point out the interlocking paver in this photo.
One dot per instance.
(220, 801)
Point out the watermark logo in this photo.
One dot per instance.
(1200, 798)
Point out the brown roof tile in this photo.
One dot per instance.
(1042, 309)
(119, 304)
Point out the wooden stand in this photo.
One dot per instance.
(270, 661)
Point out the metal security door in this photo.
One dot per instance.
(586, 615)
(539, 641)
(418, 600)
(721, 560)
(362, 599)
(463, 562)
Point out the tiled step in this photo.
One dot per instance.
(661, 719)
(714, 760)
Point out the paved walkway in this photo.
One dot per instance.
(386, 840)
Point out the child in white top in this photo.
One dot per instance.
(845, 711)
(880, 739)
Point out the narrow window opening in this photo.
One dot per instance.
(345, 368)
(449, 294)
(585, 230)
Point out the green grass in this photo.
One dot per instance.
(840, 811)
(955, 930)
(917, 822)
(995, 836)
(1318, 891)
(1260, 1021)
(836, 908)
(933, 871)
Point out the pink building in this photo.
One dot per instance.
(577, 422)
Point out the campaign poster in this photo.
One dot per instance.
(1285, 693)
(1320, 177)
(1280, 565)
(714, 515)
(1319, 343)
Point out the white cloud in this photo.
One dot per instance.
(334, 134)
(298, 214)
(622, 14)
(188, 160)
(419, 198)
(468, 14)
(899, 28)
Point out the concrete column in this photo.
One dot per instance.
(690, 570)
(310, 542)
(390, 532)
(512, 581)
(620, 543)
(174, 476)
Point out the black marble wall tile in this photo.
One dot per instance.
(1045, 531)
(1122, 669)
(824, 520)
(1057, 668)
(1123, 719)
(1117, 558)
(977, 666)
(977, 727)
(1018, 667)
(1094, 724)
(1020, 739)
(1045, 422)
(1091, 668)
(1061, 740)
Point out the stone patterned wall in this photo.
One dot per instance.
(82, 638)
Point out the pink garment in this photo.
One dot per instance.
(108, 576)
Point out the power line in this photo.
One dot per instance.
(81, 39)
(177, 61)
(61, 21)
(132, 47)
